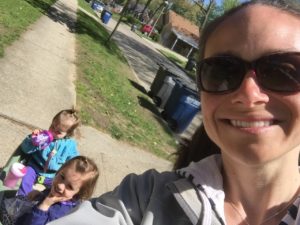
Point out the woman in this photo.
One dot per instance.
(249, 80)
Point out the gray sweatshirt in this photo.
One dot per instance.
(192, 195)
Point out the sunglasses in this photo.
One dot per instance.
(279, 72)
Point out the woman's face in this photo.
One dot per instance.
(67, 183)
(250, 124)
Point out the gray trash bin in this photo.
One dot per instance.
(158, 81)
(164, 93)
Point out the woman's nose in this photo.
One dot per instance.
(250, 93)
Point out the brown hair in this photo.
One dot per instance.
(64, 115)
(199, 147)
(87, 167)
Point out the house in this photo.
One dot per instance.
(179, 34)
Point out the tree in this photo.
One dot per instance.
(205, 10)
(228, 4)
(146, 6)
(135, 5)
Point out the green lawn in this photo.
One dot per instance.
(106, 94)
(16, 16)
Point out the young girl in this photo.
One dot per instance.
(44, 163)
(74, 182)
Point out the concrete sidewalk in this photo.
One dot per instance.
(36, 80)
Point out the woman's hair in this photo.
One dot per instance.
(289, 6)
(200, 145)
(65, 115)
(89, 171)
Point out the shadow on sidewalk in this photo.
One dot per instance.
(43, 6)
(58, 12)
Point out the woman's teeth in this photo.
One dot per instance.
(246, 124)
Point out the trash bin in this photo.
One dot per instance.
(158, 81)
(105, 16)
(164, 93)
(181, 107)
(97, 6)
(133, 27)
(191, 64)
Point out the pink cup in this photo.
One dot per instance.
(16, 172)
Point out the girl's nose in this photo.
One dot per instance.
(60, 187)
(250, 93)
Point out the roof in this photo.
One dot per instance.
(188, 39)
(183, 25)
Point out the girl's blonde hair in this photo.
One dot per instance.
(88, 168)
(64, 115)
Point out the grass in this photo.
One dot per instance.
(106, 95)
(16, 16)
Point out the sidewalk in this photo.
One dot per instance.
(36, 80)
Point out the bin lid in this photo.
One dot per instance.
(192, 101)
(169, 79)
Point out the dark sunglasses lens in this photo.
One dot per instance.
(220, 74)
(280, 72)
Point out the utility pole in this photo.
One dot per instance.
(166, 5)
(119, 21)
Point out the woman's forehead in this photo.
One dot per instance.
(254, 31)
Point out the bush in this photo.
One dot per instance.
(155, 37)
(132, 20)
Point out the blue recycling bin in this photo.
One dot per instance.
(181, 107)
(105, 16)
(97, 6)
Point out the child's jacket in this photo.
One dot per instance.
(65, 149)
(39, 217)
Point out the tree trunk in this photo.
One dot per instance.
(119, 21)
(134, 7)
(208, 11)
(156, 10)
(146, 6)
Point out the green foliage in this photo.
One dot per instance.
(120, 2)
(132, 20)
(16, 16)
(228, 4)
(155, 37)
(186, 9)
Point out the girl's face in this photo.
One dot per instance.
(60, 128)
(252, 125)
(67, 183)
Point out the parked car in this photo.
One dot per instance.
(146, 29)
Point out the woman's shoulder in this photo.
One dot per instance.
(146, 182)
